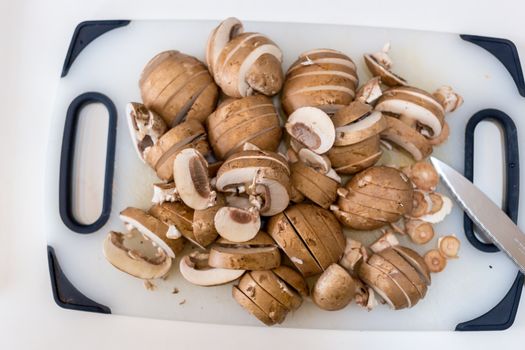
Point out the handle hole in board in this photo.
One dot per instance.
(89, 163)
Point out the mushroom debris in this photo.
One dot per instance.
(264, 202)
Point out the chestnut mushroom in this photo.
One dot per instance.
(145, 127)
(312, 128)
(196, 270)
(406, 137)
(334, 289)
(379, 65)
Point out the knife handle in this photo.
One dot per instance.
(511, 166)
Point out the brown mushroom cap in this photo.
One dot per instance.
(360, 130)
(383, 285)
(293, 279)
(315, 186)
(205, 275)
(356, 157)
(392, 256)
(407, 138)
(250, 306)
(278, 289)
(203, 223)
(219, 37)
(179, 215)
(334, 289)
(178, 86)
(417, 262)
(355, 221)
(244, 258)
(377, 69)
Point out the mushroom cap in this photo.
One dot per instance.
(237, 225)
(407, 138)
(417, 262)
(250, 306)
(317, 187)
(360, 130)
(355, 221)
(259, 253)
(293, 279)
(240, 58)
(383, 285)
(284, 294)
(203, 223)
(415, 104)
(353, 158)
(393, 257)
(349, 114)
(208, 276)
(311, 127)
(334, 289)
(322, 78)
(377, 69)
(219, 38)
(251, 119)
(133, 262)
(174, 84)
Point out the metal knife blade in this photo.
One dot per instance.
(489, 218)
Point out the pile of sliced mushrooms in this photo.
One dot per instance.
(270, 195)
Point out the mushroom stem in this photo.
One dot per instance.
(449, 246)
(435, 261)
(420, 232)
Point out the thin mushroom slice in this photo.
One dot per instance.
(386, 241)
(370, 91)
(219, 37)
(278, 289)
(379, 64)
(145, 127)
(293, 279)
(354, 221)
(407, 138)
(195, 269)
(318, 162)
(311, 127)
(351, 113)
(383, 285)
(237, 225)
(203, 223)
(416, 261)
(408, 270)
(251, 306)
(449, 246)
(245, 257)
(192, 179)
(134, 262)
(360, 130)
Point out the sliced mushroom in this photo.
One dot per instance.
(386, 241)
(435, 261)
(379, 64)
(423, 176)
(204, 222)
(260, 253)
(318, 162)
(145, 127)
(416, 261)
(177, 87)
(264, 300)
(449, 246)
(360, 130)
(165, 192)
(448, 98)
(219, 38)
(195, 269)
(351, 206)
(420, 232)
(383, 285)
(134, 262)
(248, 63)
(438, 213)
(237, 225)
(407, 138)
(416, 106)
(322, 78)
(250, 306)
(407, 269)
(355, 221)
(277, 288)
(167, 237)
(420, 205)
(311, 127)
(252, 119)
(192, 179)
(292, 279)
(334, 290)
(354, 111)
(315, 186)
(445, 132)
(370, 91)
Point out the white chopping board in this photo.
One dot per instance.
(112, 64)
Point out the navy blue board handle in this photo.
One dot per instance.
(67, 163)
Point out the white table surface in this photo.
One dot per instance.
(34, 36)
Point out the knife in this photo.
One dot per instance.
(487, 216)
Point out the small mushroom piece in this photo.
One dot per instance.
(154, 229)
(192, 179)
(352, 254)
(420, 205)
(360, 130)
(393, 257)
(388, 240)
(449, 246)
(445, 132)
(448, 98)
(423, 176)
(132, 261)
(204, 222)
(334, 290)
(311, 127)
(318, 162)
(379, 65)
(237, 225)
(165, 192)
(195, 269)
(383, 285)
(435, 261)
(219, 37)
(145, 127)
(420, 232)
(355, 111)
(317, 187)
(437, 215)
(407, 138)
(416, 261)
(370, 91)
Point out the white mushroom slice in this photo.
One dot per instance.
(360, 130)
(440, 215)
(165, 192)
(132, 261)
(238, 201)
(219, 37)
(407, 138)
(333, 175)
(314, 160)
(145, 127)
(237, 225)
(149, 226)
(192, 179)
(370, 92)
(313, 128)
(195, 273)
(448, 98)
(388, 240)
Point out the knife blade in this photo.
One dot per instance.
(487, 216)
